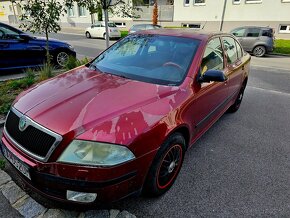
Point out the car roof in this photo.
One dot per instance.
(188, 33)
(260, 27)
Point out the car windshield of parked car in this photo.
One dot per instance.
(149, 58)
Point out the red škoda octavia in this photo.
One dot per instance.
(122, 123)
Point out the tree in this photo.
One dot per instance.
(42, 16)
(155, 13)
(122, 8)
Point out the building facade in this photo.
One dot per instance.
(196, 14)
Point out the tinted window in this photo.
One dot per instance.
(239, 32)
(213, 56)
(231, 50)
(8, 33)
(268, 33)
(253, 32)
(149, 58)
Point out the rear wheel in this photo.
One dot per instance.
(259, 51)
(166, 166)
(88, 35)
(105, 36)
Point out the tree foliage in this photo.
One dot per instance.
(42, 16)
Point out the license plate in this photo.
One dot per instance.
(18, 164)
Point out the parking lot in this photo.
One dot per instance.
(240, 167)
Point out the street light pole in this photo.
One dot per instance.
(107, 3)
(223, 15)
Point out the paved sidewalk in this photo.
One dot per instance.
(73, 30)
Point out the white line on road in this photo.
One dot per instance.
(270, 90)
(276, 68)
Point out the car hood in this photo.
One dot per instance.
(82, 99)
(43, 39)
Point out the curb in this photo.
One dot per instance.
(278, 54)
(28, 207)
(2, 122)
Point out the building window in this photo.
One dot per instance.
(82, 11)
(284, 28)
(199, 2)
(253, 1)
(191, 25)
(71, 11)
(236, 2)
(186, 2)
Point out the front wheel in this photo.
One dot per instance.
(88, 35)
(61, 58)
(166, 166)
(259, 51)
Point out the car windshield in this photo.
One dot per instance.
(149, 58)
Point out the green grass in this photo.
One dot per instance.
(124, 33)
(282, 46)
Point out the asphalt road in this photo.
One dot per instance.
(241, 166)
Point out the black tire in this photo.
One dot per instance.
(88, 35)
(259, 51)
(105, 36)
(165, 166)
(60, 58)
(235, 107)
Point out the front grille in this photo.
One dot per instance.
(31, 139)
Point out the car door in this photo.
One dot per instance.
(209, 98)
(250, 39)
(17, 50)
(234, 64)
(95, 29)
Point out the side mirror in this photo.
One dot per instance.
(212, 75)
(24, 37)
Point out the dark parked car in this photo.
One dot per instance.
(139, 27)
(18, 50)
(256, 40)
(121, 124)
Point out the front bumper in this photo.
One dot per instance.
(54, 179)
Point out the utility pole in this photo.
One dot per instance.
(106, 4)
(223, 15)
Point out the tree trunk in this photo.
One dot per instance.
(107, 28)
(47, 48)
(155, 14)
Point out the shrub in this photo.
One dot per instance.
(73, 62)
(45, 72)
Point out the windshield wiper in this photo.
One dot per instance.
(94, 67)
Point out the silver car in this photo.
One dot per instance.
(256, 40)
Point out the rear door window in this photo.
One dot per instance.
(230, 49)
(253, 32)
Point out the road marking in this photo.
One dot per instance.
(276, 68)
(270, 90)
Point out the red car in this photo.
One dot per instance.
(121, 124)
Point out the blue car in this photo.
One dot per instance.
(19, 50)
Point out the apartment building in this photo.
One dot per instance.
(196, 14)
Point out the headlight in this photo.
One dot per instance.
(71, 47)
(95, 153)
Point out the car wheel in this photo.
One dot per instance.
(105, 36)
(235, 107)
(165, 166)
(259, 51)
(61, 58)
(88, 35)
